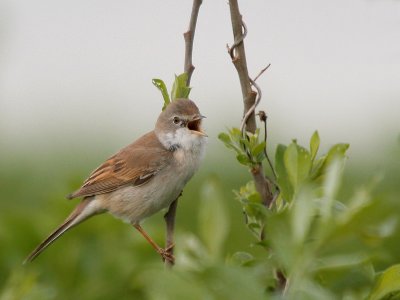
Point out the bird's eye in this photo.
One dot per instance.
(176, 120)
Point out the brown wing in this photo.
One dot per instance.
(135, 164)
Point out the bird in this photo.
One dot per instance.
(143, 177)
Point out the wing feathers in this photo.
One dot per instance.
(135, 164)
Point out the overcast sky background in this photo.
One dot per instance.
(79, 71)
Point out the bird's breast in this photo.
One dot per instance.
(187, 161)
(134, 203)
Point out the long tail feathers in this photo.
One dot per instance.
(78, 215)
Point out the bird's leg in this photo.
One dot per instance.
(165, 253)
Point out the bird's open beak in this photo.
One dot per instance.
(195, 125)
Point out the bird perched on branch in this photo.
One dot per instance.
(144, 177)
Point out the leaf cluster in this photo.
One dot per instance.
(296, 165)
(249, 150)
(180, 88)
(325, 246)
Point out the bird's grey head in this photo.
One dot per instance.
(179, 125)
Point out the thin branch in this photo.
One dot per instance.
(170, 224)
(258, 98)
(261, 72)
(263, 118)
(188, 68)
(189, 38)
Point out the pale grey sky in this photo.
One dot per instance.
(81, 70)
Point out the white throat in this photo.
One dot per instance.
(183, 138)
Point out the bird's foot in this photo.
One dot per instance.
(166, 254)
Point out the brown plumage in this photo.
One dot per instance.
(131, 165)
(143, 177)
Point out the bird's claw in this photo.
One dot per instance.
(166, 254)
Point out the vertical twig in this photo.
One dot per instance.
(170, 224)
(189, 39)
(188, 68)
(250, 97)
(238, 55)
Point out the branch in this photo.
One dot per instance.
(250, 101)
(250, 97)
(188, 68)
(189, 38)
(252, 109)
(170, 223)
(238, 55)
(261, 72)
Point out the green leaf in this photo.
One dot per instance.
(314, 145)
(321, 165)
(236, 133)
(213, 219)
(290, 161)
(297, 162)
(242, 258)
(257, 211)
(331, 186)
(303, 213)
(225, 138)
(338, 150)
(387, 283)
(244, 144)
(233, 141)
(317, 167)
(254, 197)
(180, 88)
(341, 260)
(158, 83)
(279, 234)
(243, 159)
(282, 176)
(258, 152)
(303, 163)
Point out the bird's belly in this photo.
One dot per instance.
(134, 203)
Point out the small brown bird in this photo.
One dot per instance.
(145, 176)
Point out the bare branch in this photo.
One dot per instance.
(261, 72)
(188, 68)
(189, 38)
(170, 223)
(238, 55)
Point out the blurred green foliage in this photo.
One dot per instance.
(333, 233)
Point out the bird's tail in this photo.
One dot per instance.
(83, 211)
